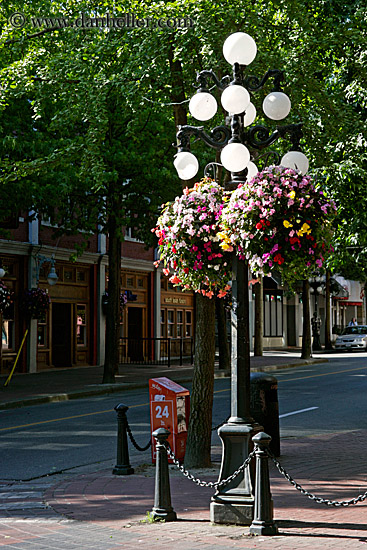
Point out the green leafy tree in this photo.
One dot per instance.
(80, 143)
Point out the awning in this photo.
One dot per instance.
(338, 291)
(352, 303)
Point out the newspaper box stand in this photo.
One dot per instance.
(170, 409)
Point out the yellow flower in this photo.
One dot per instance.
(222, 235)
(287, 224)
(226, 246)
(292, 194)
(305, 230)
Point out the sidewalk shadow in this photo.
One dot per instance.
(293, 524)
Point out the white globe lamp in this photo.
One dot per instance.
(250, 115)
(186, 164)
(276, 105)
(240, 48)
(235, 99)
(203, 106)
(235, 157)
(252, 170)
(295, 160)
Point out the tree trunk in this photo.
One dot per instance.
(113, 307)
(306, 338)
(199, 436)
(328, 345)
(224, 355)
(259, 317)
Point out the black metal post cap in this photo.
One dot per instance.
(121, 408)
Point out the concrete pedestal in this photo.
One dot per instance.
(234, 502)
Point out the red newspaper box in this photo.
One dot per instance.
(170, 409)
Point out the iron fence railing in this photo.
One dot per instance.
(156, 351)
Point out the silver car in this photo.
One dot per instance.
(352, 338)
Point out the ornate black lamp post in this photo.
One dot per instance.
(316, 282)
(240, 144)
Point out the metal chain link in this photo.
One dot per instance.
(128, 429)
(201, 483)
(320, 500)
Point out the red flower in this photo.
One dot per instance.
(259, 225)
(279, 259)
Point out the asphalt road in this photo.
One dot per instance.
(43, 440)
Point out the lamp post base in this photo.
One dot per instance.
(234, 502)
(231, 512)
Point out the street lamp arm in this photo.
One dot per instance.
(203, 77)
(217, 138)
(259, 136)
(253, 83)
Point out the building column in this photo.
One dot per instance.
(33, 239)
(101, 287)
(157, 311)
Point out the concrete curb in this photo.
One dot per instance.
(106, 389)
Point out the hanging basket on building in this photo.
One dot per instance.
(35, 303)
(123, 301)
(188, 240)
(279, 220)
(6, 297)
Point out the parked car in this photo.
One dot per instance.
(352, 338)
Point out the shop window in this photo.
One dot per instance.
(163, 324)
(80, 276)
(273, 313)
(8, 334)
(179, 323)
(170, 323)
(81, 325)
(42, 332)
(68, 275)
(188, 325)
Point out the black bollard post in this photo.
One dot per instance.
(123, 467)
(162, 508)
(263, 523)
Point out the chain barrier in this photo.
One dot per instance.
(320, 500)
(201, 483)
(132, 439)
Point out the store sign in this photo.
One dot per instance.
(174, 301)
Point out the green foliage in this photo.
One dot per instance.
(86, 123)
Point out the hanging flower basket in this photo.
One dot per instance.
(6, 297)
(35, 303)
(188, 240)
(123, 301)
(279, 220)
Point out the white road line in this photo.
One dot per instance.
(297, 412)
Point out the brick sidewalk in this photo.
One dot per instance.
(97, 510)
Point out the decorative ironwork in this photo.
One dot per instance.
(259, 137)
(218, 137)
(254, 84)
(203, 77)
